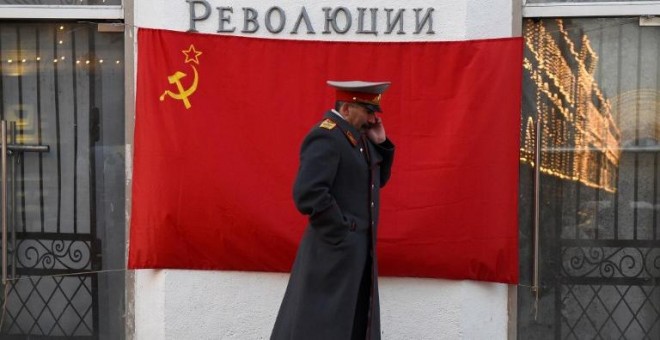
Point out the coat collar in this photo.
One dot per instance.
(345, 126)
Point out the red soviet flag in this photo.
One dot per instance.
(219, 121)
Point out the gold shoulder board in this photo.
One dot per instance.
(328, 124)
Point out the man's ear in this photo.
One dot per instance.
(343, 109)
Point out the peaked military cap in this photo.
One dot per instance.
(365, 93)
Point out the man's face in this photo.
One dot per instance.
(359, 116)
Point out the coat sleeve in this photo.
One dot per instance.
(319, 161)
(386, 150)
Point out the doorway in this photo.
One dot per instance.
(592, 90)
(62, 107)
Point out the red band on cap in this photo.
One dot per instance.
(358, 97)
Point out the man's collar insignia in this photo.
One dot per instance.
(351, 138)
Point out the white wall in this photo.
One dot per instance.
(183, 304)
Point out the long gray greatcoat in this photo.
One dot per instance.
(333, 289)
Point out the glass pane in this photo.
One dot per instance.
(61, 2)
(62, 85)
(593, 86)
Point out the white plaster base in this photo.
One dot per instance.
(183, 304)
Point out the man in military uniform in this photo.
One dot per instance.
(344, 161)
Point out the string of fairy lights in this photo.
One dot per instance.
(580, 139)
(14, 58)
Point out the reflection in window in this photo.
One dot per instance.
(580, 138)
(594, 87)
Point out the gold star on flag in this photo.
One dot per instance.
(192, 54)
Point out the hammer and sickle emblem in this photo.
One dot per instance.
(183, 94)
